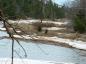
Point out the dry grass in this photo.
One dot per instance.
(33, 28)
(44, 24)
(28, 28)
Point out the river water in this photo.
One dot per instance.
(41, 51)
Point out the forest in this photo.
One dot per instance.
(39, 9)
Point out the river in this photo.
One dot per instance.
(40, 51)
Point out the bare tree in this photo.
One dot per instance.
(6, 24)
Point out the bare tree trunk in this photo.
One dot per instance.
(83, 5)
(6, 23)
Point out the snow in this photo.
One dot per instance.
(59, 23)
(22, 36)
(23, 21)
(29, 61)
(17, 36)
(74, 43)
(53, 28)
(3, 29)
(34, 20)
(18, 31)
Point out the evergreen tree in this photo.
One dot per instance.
(40, 9)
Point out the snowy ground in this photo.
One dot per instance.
(74, 43)
(34, 20)
(53, 28)
(3, 29)
(26, 61)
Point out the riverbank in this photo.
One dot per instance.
(57, 35)
(55, 41)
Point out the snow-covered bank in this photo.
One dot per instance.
(53, 28)
(74, 43)
(35, 20)
(23, 21)
(29, 61)
(3, 29)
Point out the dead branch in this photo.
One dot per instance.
(5, 23)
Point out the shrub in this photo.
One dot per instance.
(79, 23)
